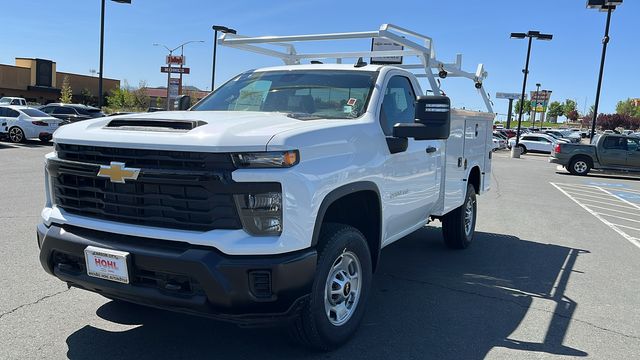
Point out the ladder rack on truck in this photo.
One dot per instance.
(282, 47)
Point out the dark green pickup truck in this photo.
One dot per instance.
(610, 152)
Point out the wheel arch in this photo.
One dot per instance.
(588, 158)
(475, 178)
(356, 204)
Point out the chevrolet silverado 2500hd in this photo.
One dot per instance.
(271, 198)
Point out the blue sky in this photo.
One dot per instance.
(67, 31)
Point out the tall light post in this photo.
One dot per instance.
(102, 47)
(225, 30)
(535, 101)
(531, 35)
(608, 6)
(181, 46)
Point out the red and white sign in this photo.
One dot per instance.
(107, 264)
(176, 60)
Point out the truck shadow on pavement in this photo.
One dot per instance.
(427, 302)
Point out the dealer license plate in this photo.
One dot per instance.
(107, 264)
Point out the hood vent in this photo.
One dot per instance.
(154, 124)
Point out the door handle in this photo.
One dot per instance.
(431, 149)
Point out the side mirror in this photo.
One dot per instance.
(432, 120)
(182, 102)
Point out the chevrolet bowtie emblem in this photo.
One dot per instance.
(117, 172)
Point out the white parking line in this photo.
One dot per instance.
(621, 199)
(615, 227)
(618, 217)
(604, 202)
(572, 192)
(604, 208)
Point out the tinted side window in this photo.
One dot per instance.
(47, 109)
(529, 138)
(633, 144)
(12, 113)
(398, 105)
(64, 111)
(3, 111)
(615, 143)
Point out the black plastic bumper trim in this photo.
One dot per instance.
(225, 290)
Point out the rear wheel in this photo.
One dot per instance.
(579, 166)
(459, 226)
(340, 290)
(16, 135)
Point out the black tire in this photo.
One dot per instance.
(579, 166)
(523, 149)
(313, 328)
(454, 230)
(16, 135)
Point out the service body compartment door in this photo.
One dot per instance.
(469, 145)
(454, 168)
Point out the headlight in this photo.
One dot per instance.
(271, 159)
(261, 214)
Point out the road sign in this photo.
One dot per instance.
(175, 70)
(176, 60)
(512, 96)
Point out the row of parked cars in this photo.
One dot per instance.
(534, 140)
(19, 122)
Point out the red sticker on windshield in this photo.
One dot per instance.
(352, 101)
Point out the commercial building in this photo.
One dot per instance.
(38, 81)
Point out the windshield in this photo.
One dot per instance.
(304, 95)
(34, 113)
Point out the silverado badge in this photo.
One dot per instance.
(117, 172)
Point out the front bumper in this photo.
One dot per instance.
(250, 290)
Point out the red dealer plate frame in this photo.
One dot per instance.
(107, 264)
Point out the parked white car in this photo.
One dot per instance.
(498, 143)
(13, 101)
(534, 142)
(27, 123)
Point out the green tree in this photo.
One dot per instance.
(87, 96)
(518, 105)
(66, 93)
(556, 109)
(142, 100)
(628, 108)
(569, 106)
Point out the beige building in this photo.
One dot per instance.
(38, 81)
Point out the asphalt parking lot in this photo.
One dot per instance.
(554, 272)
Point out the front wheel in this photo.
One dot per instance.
(340, 289)
(459, 226)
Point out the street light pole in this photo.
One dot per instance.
(101, 54)
(102, 47)
(225, 30)
(530, 34)
(524, 89)
(605, 41)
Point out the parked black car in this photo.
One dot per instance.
(72, 112)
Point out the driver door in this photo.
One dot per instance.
(411, 181)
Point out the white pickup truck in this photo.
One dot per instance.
(270, 200)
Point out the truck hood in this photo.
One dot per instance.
(220, 131)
